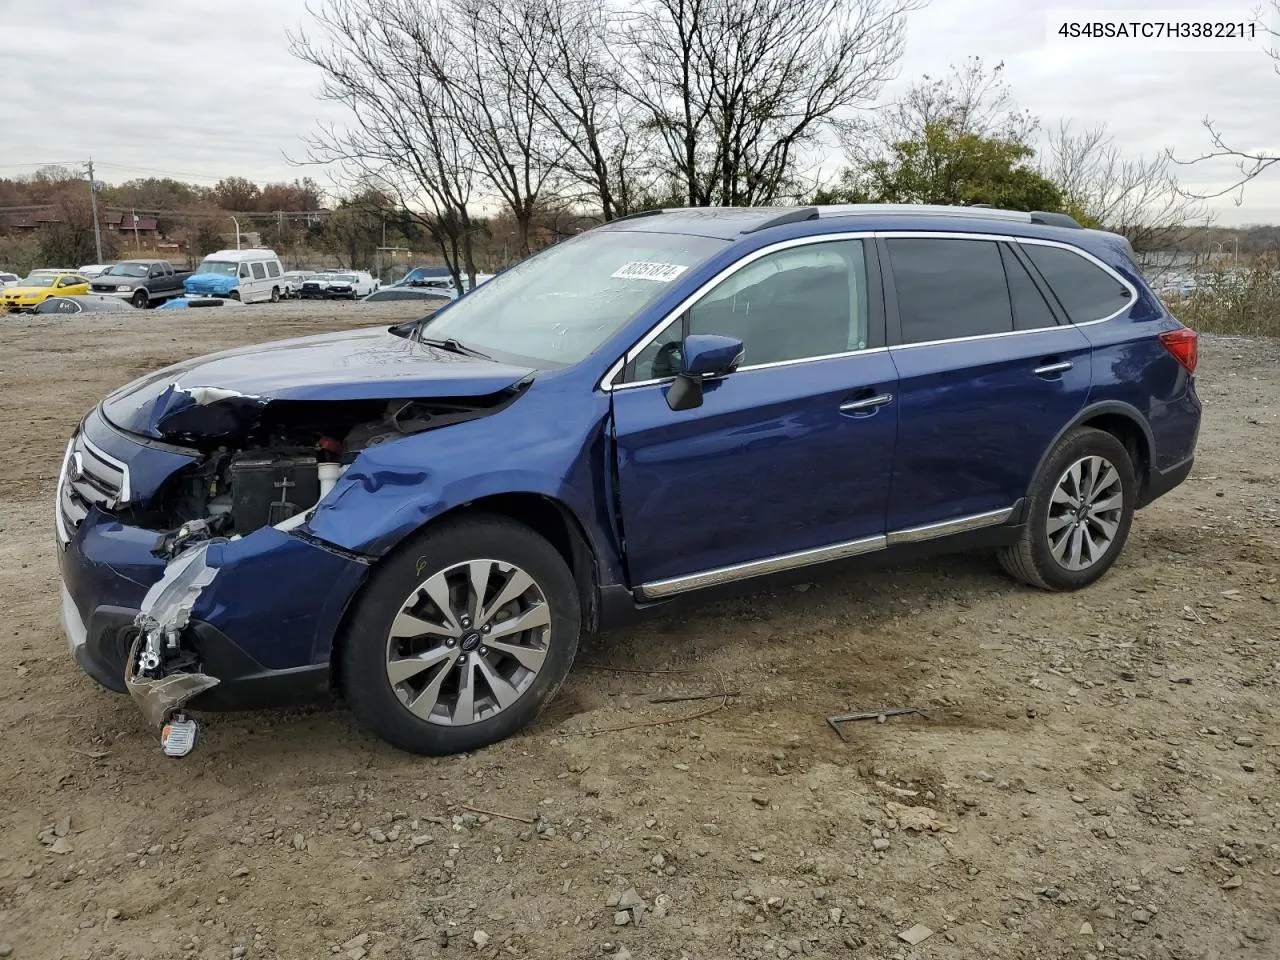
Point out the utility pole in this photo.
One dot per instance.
(93, 202)
(137, 240)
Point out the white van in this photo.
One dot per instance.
(250, 276)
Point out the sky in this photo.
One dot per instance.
(201, 91)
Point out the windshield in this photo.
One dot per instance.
(128, 270)
(559, 306)
(341, 278)
(39, 280)
(218, 266)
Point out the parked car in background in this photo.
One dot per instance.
(84, 304)
(143, 283)
(92, 270)
(348, 285)
(39, 287)
(437, 278)
(9, 279)
(431, 515)
(251, 276)
(294, 279)
(435, 295)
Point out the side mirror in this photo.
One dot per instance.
(705, 355)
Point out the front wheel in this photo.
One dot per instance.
(140, 299)
(1078, 514)
(460, 637)
(233, 295)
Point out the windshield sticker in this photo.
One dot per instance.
(643, 270)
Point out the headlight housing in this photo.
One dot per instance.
(124, 288)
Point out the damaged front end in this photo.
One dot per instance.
(247, 601)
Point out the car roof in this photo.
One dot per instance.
(739, 223)
(256, 253)
(114, 304)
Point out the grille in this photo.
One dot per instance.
(89, 478)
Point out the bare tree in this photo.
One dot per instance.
(582, 101)
(1249, 162)
(738, 92)
(1134, 196)
(383, 61)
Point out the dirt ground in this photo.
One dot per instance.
(1102, 766)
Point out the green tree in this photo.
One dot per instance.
(948, 165)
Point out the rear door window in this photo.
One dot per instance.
(273, 268)
(1030, 309)
(259, 271)
(949, 289)
(1085, 290)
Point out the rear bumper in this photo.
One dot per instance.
(1162, 481)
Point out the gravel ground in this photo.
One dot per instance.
(1096, 777)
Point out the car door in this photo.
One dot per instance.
(787, 459)
(989, 373)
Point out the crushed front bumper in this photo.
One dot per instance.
(263, 625)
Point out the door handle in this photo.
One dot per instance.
(1049, 369)
(866, 404)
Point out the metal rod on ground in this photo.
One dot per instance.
(835, 721)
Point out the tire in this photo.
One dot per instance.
(275, 294)
(140, 299)
(398, 599)
(1050, 554)
(233, 295)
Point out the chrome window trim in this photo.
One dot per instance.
(123, 496)
(716, 576)
(607, 382)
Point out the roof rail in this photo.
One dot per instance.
(943, 210)
(634, 216)
(791, 216)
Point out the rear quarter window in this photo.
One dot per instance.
(273, 268)
(1085, 290)
(259, 271)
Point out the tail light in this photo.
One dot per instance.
(1184, 345)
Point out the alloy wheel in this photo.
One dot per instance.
(1084, 512)
(468, 641)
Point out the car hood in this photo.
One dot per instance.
(211, 395)
(28, 291)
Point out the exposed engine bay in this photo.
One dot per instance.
(277, 470)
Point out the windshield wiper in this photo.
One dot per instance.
(453, 346)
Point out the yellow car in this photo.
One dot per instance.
(39, 287)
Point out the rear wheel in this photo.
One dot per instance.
(275, 294)
(1078, 515)
(139, 299)
(461, 637)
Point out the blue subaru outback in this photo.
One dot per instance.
(427, 517)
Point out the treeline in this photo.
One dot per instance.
(546, 105)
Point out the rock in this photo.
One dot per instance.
(6, 950)
(629, 899)
(915, 934)
(299, 842)
(756, 858)
(237, 953)
(357, 953)
(711, 829)
(240, 872)
(1242, 741)
(1247, 766)
(113, 913)
(377, 836)
(622, 954)
(62, 827)
(359, 940)
(480, 939)
(880, 843)
(1140, 916)
(61, 845)
(356, 827)
(1233, 882)
(1086, 929)
(420, 840)
(622, 918)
